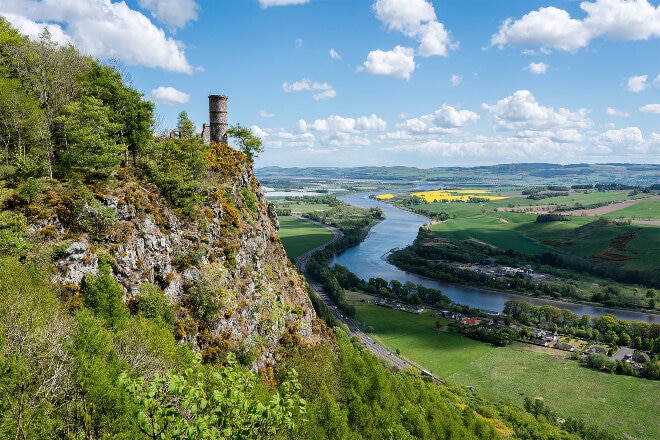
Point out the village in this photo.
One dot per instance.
(580, 348)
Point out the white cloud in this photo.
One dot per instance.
(174, 13)
(521, 111)
(269, 3)
(416, 19)
(325, 90)
(455, 80)
(266, 114)
(629, 138)
(259, 132)
(299, 42)
(554, 27)
(334, 55)
(537, 68)
(656, 81)
(444, 120)
(434, 40)
(338, 124)
(650, 108)
(100, 28)
(636, 83)
(547, 27)
(398, 63)
(169, 96)
(404, 16)
(614, 112)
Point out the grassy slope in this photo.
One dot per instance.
(623, 403)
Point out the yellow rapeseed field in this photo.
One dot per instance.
(455, 195)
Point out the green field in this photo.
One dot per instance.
(627, 405)
(418, 340)
(299, 236)
(624, 404)
(648, 210)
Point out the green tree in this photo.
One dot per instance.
(248, 143)
(185, 125)
(104, 296)
(87, 139)
(182, 407)
(35, 367)
(127, 108)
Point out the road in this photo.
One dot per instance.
(369, 343)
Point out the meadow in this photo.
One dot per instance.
(418, 340)
(298, 236)
(624, 404)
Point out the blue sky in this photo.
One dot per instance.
(389, 82)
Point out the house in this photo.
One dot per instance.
(470, 321)
(538, 341)
(640, 357)
(564, 346)
(538, 333)
(598, 350)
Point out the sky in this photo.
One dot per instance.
(423, 83)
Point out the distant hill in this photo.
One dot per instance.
(522, 174)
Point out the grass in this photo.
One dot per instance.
(623, 404)
(649, 210)
(419, 341)
(299, 236)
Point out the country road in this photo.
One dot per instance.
(369, 343)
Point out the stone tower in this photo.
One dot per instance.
(218, 118)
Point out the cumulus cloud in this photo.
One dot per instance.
(174, 13)
(269, 3)
(100, 28)
(521, 111)
(399, 62)
(629, 138)
(650, 108)
(554, 27)
(324, 90)
(416, 19)
(334, 55)
(169, 96)
(636, 83)
(443, 120)
(339, 124)
(537, 68)
(614, 112)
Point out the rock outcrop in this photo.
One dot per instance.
(228, 254)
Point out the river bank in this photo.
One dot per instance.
(399, 229)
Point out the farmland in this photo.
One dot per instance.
(298, 236)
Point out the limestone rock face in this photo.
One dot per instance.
(227, 254)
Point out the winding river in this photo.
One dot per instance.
(399, 229)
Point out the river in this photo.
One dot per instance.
(399, 229)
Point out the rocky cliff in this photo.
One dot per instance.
(223, 264)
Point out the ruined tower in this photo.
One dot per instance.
(217, 128)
